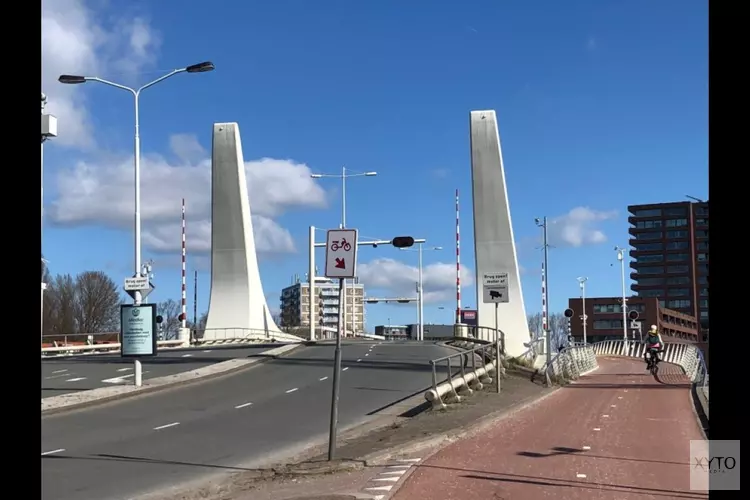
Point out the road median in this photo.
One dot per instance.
(82, 399)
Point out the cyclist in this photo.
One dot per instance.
(654, 343)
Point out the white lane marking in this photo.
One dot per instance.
(242, 406)
(77, 379)
(581, 476)
(124, 369)
(187, 355)
(323, 378)
(387, 479)
(59, 450)
(378, 497)
(619, 397)
(410, 460)
(292, 390)
(398, 467)
(597, 429)
(166, 426)
(626, 390)
(613, 406)
(207, 350)
(60, 371)
(121, 378)
(59, 375)
(359, 360)
(345, 369)
(605, 416)
(367, 354)
(587, 447)
(380, 488)
(393, 473)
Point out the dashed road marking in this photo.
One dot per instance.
(166, 426)
(124, 369)
(60, 371)
(380, 488)
(121, 378)
(77, 379)
(393, 473)
(292, 390)
(605, 416)
(409, 460)
(367, 354)
(387, 479)
(619, 397)
(398, 466)
(587, 447)
(613, 406)
(345, 369)
(581, 476)
(207, 350)
(245, 405)
(597, 429)
(52, 452)
(359, 360)
(322, 378)
(187, 355)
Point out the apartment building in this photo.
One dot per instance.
(295, 305)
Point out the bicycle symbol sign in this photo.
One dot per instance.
(341, 253)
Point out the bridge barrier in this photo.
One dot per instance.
(482, 357)
(571, 363)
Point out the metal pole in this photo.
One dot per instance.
(44, 101)
(497, 349)
(311, 285)
(420, 305)
(621, 255)
(138, 378)
(336, 381)
(548, 333)
(342, 301)
(195, 301)
(583, 306)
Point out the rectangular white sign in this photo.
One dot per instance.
(139, 283)
(495, 279)
(341, 253)
(495, 294)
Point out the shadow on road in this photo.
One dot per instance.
(562, 450)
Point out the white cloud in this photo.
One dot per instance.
(77, 40)
(441, 173)
(399, 279)
(578, 227)
(92, 194)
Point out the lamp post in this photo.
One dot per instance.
(77, 79)
(542, 223)
(621, 257)
(344, 175)
(420, 290)
(584, 317)
(49, 130)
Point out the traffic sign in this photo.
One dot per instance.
(341, 253)
(136, 283)
(495, 279)
(495, 294)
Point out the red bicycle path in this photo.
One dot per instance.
(618, 433)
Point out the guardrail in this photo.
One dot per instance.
(571, 363)
(213, 336)
(483, 360)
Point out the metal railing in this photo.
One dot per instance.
(238, 335)
(570, 363)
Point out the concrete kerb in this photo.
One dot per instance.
(79, 400)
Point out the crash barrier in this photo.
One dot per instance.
(220, 336)
(570, 363)
(687, 356)
(465, 372)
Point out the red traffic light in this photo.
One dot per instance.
(568, 313)
(181, 317)
(402, 241)
(633, 315)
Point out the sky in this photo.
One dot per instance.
(601, 104)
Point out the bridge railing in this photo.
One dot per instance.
(212, 336)
(570, 363)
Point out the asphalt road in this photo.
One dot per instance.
(137, 446)
(79, 373)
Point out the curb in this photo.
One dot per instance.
(84, 399)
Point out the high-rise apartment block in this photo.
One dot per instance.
(295, 305)
(669, 255)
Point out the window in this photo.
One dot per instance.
(702, 257)
(702, 280)
(651, 293)
(677, 269)
(703, 268)
(704, 314)
(701, 222)
(607, 308)
(637, 307)
(703, 303)
(677, 257)
(676, 211)
(651, 235)
(703, 292)
(650, 281)
(607, 324)
(702, 211)
(679, 304)
(648, 212)
(675, 233)
(676, 222)
(648, 224)
(701, 234)
(651, 270)
(679, 292)
(702, 246)
(649, 258)
(678, 280)
(646, 247)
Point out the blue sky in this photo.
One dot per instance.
(600, 104)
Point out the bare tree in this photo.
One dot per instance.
(97, 303)
(60, 305)
(170, 311)
(558, 325)
(535, 325)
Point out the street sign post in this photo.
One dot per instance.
(138, 284)
(341, 253)
(138, 330)
(495, 288)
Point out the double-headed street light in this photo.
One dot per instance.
(420, 290)
(344, 175)
(77, 79)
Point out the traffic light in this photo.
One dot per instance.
(402, 242)
(633, 315)
(568, 313)
(159, 319)
(181, 317)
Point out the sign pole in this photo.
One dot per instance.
(497, 348)
(336, 379)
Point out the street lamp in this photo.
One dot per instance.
(584, 317)
(49, 130)
(343, 176)
(621, 257)
(542, 223)
(77, 79)
(420, 291)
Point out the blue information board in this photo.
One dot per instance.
(137, 330)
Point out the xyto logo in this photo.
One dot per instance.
(714, 464)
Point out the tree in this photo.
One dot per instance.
(170, 311)
(97, 303)
(60, 305)
(558, 325)
(535, 325)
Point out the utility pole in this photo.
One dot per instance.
(621, 257)
(584, 317)
(548, 338)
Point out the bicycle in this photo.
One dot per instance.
(653, 361)
(343, 244)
